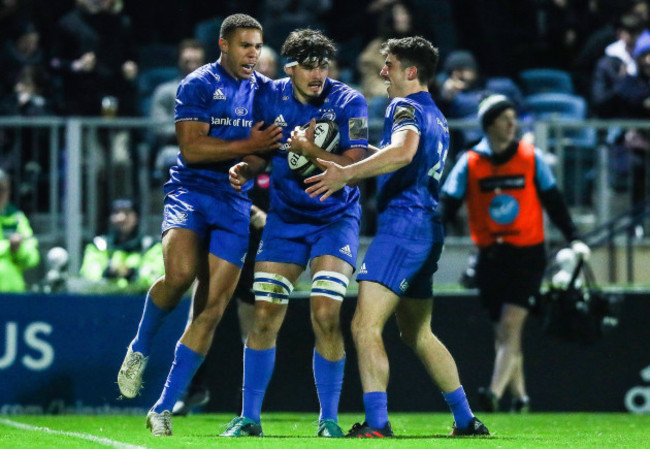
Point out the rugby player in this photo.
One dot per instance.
(396, 276)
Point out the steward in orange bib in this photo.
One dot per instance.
(507, 185)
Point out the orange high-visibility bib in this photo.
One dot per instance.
(502, 201)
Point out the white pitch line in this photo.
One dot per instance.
(83, 436)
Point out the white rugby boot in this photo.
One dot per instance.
(129, 379)
(160, 423)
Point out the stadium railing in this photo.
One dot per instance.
(77, 165)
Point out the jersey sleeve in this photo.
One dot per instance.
(192, 99)
(406, 116)
(354, 126)
(543, 174)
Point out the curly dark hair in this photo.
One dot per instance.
(307, 45)
(414, 51)
(235, 21)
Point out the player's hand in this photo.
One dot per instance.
(331, 180)
(258, 217)
(266, 139)
(238, 175)
(302, 140)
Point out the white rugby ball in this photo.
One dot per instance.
(326, 136)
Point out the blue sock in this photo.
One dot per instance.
(457, 402)
(186, 363)
(376, 405)
(152, 317)
(329, 381)
(258, 368)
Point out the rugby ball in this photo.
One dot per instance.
(326, 135)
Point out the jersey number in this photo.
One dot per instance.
(436, 171)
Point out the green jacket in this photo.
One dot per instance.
(131, 265)
(12, 265)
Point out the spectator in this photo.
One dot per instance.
(18, 246)
(268, 62)
(27, 98)
(94, 56)
(395, 21)
(93, 60)
(462, 87)
(25, 149)
(633, 146)
(596, 43)
(617, 62)
(20, 51)
(191, 56)
(124, 259)
(507, 184)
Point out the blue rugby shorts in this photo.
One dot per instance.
(298, 243)
(220, 220)
(404, 266)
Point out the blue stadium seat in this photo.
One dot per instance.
(535, 81)
(562, 106)
(207, 32)
(579, 160)
(148, 80)
(506, 86)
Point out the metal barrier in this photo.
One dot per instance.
(80, 164)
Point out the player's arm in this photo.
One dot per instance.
(198, 147)
(399, 153)
(251, 166)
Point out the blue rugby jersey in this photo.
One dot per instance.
(413, 191)
(275, 103)
(211, 95)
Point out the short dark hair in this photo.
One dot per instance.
(414, 51)
(308, 45)
(235, 21)
(190, 43)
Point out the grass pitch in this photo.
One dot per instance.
(296, 430)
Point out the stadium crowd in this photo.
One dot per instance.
(111, 46)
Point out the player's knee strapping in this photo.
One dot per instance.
(272, 287)
(330, 284)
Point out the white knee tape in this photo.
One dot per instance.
(330, 284)
(272, 287)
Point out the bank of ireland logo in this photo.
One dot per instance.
(504, 209)
(637, 399)
(241, 111)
